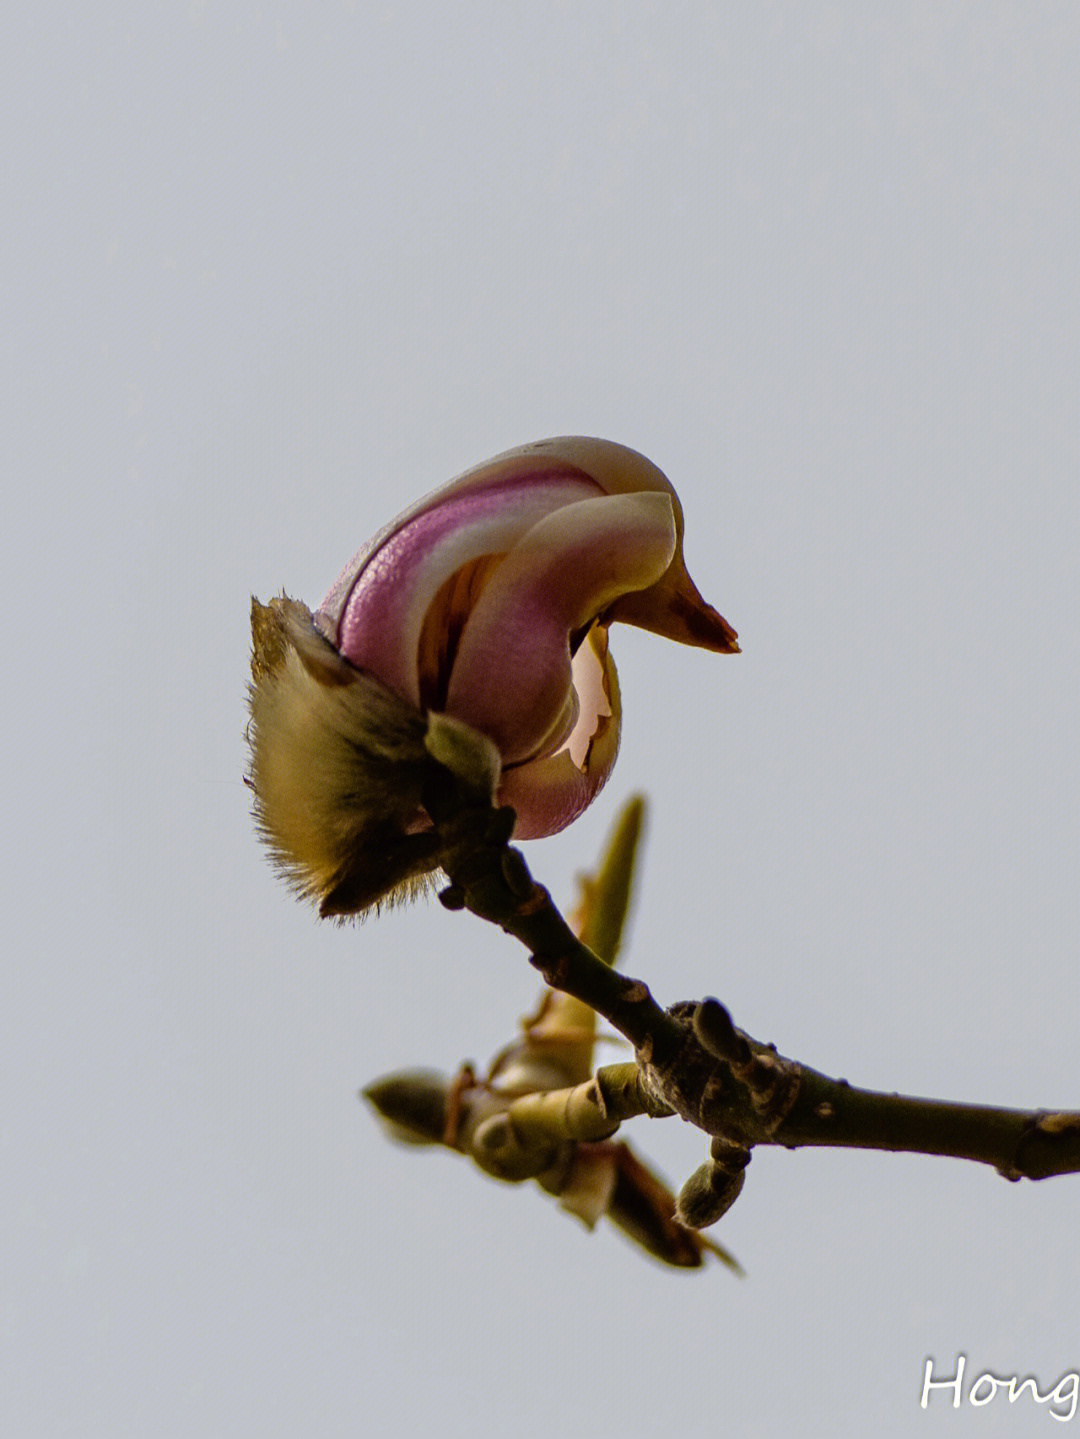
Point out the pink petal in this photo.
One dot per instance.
(375, 611)
(511, 678)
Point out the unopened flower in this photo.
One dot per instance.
(487, 602)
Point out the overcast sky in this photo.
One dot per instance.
(270, 272)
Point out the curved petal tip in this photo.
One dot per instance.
(675, 609)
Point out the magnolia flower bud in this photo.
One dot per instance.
(488, 602)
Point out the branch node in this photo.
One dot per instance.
(716, 1032)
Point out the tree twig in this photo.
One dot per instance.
(694, 1062)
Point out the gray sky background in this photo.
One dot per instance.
(271, 272)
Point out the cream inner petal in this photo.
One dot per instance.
(593, 704)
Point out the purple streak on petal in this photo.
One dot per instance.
(375, 611)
